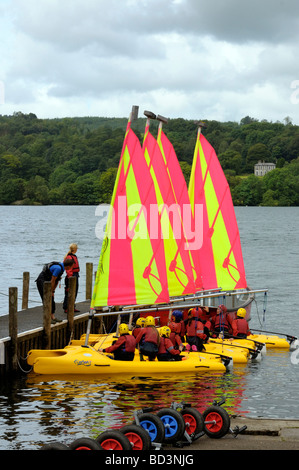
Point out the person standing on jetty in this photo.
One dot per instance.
(71, 272)
(52, 272)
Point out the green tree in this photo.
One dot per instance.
(248, 192)
(36, 190)
(231, 160)
(186, 170)
(282, 185)
(256, 153)
(11, 190)
(107, 181)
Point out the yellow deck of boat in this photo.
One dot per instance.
(271, 341)
(77, 360)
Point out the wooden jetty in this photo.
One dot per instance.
(31, 328)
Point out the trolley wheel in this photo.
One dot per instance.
(174, 424)
(194, 423)
(55, 446)
(138, 437)
(85, 443)
(216, 422)
(153, 425)
(113, 440)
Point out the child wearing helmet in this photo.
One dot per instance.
(148, 339)
(166, 351)
(222, 323)
(195, 333)
(175, 337)
(140, 323)
(177, 318)
(240, 324)
(124, 348)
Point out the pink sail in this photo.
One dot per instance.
(132, 265)
(181, 196)
(221, 254)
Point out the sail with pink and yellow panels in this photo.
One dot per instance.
(172, 213)
(132, 266)
(221, 256)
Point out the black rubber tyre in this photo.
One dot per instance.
(139, 438)
(216, 422)
(113, 440)
(174, 424)
(55, 446)
(194, 423)
(153, 425)
(85, 443)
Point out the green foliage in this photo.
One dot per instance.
(75, 160)
(248, 192)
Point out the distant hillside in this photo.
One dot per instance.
(74, 160)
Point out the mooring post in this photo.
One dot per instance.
(25, 296)
(71, 306)
(13, 328)
(47, 311)
(89, 270)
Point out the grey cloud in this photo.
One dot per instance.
(220, 56)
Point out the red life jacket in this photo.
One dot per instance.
(240, 326)
(221, 321)
(166, 346)
(75, 268)
(136, 331)
(148, 334)
(130, 343)
(195, 328)
(180, 328)
(126, 343)
(175, 339)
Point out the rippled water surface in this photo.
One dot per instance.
(35, 411)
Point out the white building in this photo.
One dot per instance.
(261, 168)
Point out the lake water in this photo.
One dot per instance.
(34, 411)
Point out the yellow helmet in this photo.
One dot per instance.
(241, 313)
(165, 331)
(140, 321)
(149, 321)
(123, 329)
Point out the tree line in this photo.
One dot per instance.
(74, 161)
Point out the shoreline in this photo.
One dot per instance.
(260, 434)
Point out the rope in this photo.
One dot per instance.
(264, 308)
(258, 313)
(20, 298)
(104, 339)
(23, 370)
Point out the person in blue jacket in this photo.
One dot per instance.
(52, 272)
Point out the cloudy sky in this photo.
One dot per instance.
(196, 59)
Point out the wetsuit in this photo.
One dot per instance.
(240, 328)
(195, 334)
(123, 349)
(148, 340)
(54, 269)
(167, 352)
(74, 272)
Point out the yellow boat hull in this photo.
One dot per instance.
(271, 341)
(239, 356)
(77, 360)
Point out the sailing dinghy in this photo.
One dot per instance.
(166, 246)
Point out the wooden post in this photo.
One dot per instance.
(47, 311)
(25, 296)
(13, 327)
(71, 307)
(89, 269)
